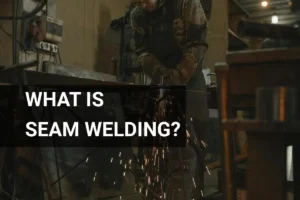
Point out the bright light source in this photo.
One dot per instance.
(274, 19)
(264, 3)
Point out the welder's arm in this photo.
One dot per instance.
(194, 45)
(150, 64)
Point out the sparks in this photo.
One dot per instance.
(87, 159)
(194, 182)
(204, 144)
(207, 170)
(188, 134)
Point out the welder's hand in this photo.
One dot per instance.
(159, 72)
(172, 77)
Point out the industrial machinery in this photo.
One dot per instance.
(42, 33)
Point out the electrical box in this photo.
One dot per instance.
(52, 29)
(53, 48)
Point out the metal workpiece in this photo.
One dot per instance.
(278, 104)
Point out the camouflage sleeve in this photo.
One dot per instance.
(194, 44)
(149, 63)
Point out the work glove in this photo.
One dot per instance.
(179, 30)
(159, 72)
(172, 77)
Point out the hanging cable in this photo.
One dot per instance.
(56, 156)
(10, 35)
(15, 4)
(59, 56)
(29, 15)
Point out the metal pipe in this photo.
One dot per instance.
(14, 31)
(122, 49)
(242, 7)
(254, 29)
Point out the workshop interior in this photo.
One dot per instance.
(251, 71)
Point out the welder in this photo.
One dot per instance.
(170, 41)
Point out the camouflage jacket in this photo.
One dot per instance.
(173, 36)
